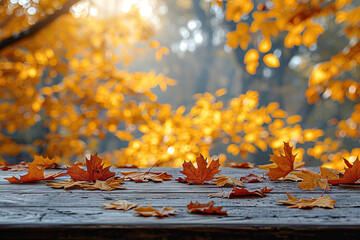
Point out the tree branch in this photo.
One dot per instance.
(38, 26)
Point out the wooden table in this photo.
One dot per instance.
(36, 211)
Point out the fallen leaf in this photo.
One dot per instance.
(290, 177)
(351, 175)
(330, 174)
(274, 165)
(121, 205)
(35, 174)
(252, 178)
(95, 171)
(152, 212)
(142, 176)
(21, 166)
(223, 180)
(201, 174)
(125, 166)
(325, 202)
(285, 163)
(234, 164)
(310, 180)
(108, 185)
(241, 192)
(222, 194)
(46, 162)
(207, 208)
(69, 184)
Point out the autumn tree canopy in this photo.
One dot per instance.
(64, 67)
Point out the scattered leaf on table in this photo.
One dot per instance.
(125, 166)
(142, 176)
(35, 174)
(285, 163)
(202, 173)
(252, 178)
(234, 164)
(69, 184)
(21, 166)
(325, 202)
(152, 212)
(107, 185)
(290, 177)
(46, 162)
(310, 180)
(351, 175)
(95, 171)
(207, 208)
(222, 194)
(223, 180)
(241, 192)
(330, 174)
(274, 165)
(121, 205)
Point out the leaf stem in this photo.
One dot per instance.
(325, 187)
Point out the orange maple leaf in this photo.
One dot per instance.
(285, 163)
(207, 208)
(201, 174)
(95, 171)
(351, 175)
(35, 174)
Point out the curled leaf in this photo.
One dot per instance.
(223, 180)
(142, 176)
(121, 205)
(207, 208)
(234, 164)
(152, 212)
(252, 178)
(325, 202)
(351, 175)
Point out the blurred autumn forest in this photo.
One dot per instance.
(159, 82)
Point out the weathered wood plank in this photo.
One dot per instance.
(96, 198)
(240, 216)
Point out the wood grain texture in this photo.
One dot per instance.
(36, 211)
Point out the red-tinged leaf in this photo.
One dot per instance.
(21, 166)
(252, 178)
(242, 192)
(351, 175)
(35, 174)
(126, 166)
(284, 163)
(201, 174)
(95, 171)
(234, 164)
(207, 208)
